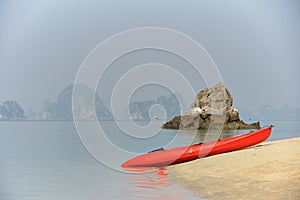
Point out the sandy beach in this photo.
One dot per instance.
(270, 170)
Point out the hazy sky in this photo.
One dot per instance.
(255, 44)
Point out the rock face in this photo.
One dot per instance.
(171, 104)
(49, 111)
(62, 109)
(86, 97)
(216, 98)
(139, 110)
(212, 108)
(11, 110)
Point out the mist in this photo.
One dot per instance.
(255, 45)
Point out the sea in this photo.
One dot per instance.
(47, 160)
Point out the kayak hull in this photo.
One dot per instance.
(177, 155)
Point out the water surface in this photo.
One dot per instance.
(46, 160)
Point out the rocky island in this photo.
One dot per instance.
(212, 108)
(139, 110)
(11, 110)
(62, 109)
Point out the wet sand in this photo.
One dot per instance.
(270, 170)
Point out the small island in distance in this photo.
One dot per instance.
(199, 110)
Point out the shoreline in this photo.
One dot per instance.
(269, 170)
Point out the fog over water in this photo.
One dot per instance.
(255, 44)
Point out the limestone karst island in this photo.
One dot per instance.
(212, 108)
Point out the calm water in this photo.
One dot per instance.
(46, 160)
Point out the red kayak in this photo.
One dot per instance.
(161, 158)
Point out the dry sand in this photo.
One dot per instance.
(270, 170)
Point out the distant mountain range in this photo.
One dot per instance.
(138, 110)
(62, 108)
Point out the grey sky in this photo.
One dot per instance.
(255, 44)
